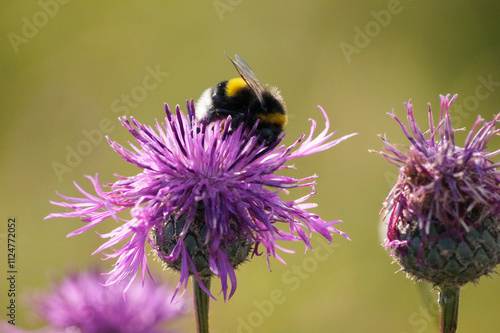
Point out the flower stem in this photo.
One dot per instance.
(201, 304)
(448, 305)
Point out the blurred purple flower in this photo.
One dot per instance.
(205, 189)
(443, 212)
(81, 303)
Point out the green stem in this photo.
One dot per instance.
(201, 304)
(448, 305)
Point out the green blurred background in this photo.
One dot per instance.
(65, 67)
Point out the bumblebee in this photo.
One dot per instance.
(246, 100)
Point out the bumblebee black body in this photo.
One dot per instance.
(246, 101)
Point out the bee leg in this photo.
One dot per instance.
(238, 119)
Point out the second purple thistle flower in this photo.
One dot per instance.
(443, 213)
(208, 193)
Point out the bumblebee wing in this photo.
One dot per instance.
(247, 74)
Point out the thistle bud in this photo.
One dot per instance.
(195, 240)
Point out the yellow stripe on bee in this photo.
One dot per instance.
(234, 86)
(273, 118)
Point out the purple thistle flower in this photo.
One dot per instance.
(80, 303)
(443, 212)
(206, 195)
